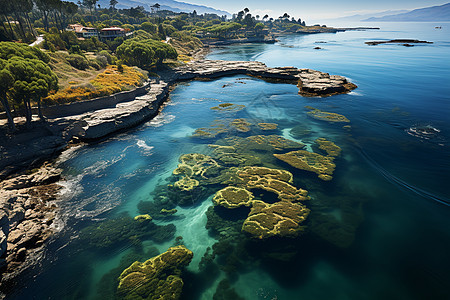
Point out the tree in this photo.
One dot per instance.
(6, 9)
(33, 80)
(149, 27)
(25, 78)
(249, 21)
(155, 6)
(113, 3)
(6, 81)
(259, 27)
(145, 53)
(89, 4)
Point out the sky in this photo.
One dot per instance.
(311, 10)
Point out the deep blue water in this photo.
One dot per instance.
(387, 207)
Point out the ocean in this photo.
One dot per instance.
(380, 228)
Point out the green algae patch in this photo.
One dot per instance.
(216, 128)
(267, 126)
(156, 278)
(241, 125)
(168, 212)
(326, 116)
(277, 142)
(228, 107)
(186, 183)
(266, 220)
(281, 219)
(228, 156)
(310, 161)
(329, 147)
(196, 165)
(233, 197)
(143, 218)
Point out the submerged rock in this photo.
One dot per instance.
(228, 107)
(156, 278)
(241, 125)
(310, 161)
(326, 116)
(143, 218)
(267, 126)
(300, 131)
(125, 229)
(329, 147)
(398, 41)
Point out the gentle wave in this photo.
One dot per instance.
(401, 183)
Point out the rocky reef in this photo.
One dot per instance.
(311, 83)
(156, 278)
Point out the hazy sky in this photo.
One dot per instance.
(310, 10)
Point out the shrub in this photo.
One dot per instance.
(106, 83)
(149, 27)
(94, 64)
(101, 60)
(54, 41)
(75, 49)
(78, 62)
(107, 55)
(145, 53)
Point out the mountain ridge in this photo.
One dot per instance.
(426, 14)
(175, 6)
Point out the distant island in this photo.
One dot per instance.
(427, 14)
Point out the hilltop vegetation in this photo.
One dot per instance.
(81, 63)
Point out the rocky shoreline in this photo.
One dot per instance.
(28, 213)
(27, 201)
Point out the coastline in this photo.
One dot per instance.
(25, 227)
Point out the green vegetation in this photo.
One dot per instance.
(25, 78)
(145, 53)
(73, 58)
(156, 278)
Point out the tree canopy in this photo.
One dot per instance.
(25, 78)
(145, 53)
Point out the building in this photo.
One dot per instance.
(111, 33)
(82, 31)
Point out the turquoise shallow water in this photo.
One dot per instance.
(379, 229)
